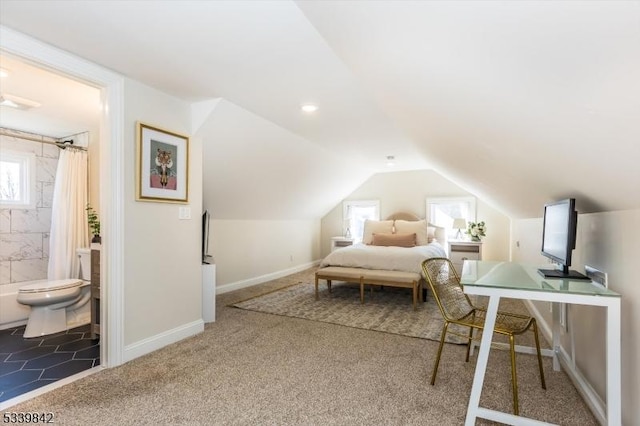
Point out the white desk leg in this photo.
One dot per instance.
(614, 393)
(481, 364)
(555, 331)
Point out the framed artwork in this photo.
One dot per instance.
(163, 165)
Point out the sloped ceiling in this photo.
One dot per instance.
(282, 176)
(517, 102)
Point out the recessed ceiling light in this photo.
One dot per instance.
(17, 102)
(390, 162)
(309, 108)
(4, 72)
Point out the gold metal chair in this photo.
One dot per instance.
(456, 308)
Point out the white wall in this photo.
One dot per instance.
(610, 242)
(257, 170)
(264, 187)
(251, 251)
(162, 289)
(408, 191)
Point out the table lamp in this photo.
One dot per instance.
(459, 224)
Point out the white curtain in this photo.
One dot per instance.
(69, 228)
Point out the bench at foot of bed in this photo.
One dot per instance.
(371, 276)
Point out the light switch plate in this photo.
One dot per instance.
(184, 212)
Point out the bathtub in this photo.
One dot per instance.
(14, 314)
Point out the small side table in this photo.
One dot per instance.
(461, 250)
(339, 242)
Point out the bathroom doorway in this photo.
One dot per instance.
(111, 88)
(41, 108)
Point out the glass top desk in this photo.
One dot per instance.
(520, 281)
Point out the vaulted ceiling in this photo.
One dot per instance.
(517, 102)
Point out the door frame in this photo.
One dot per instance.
(112, 175)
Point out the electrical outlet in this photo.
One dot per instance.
(599, 277)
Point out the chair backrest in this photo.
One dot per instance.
(445, 285)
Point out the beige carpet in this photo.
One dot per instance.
(250, 368)
(387, 310)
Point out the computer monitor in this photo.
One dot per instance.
(559, 238)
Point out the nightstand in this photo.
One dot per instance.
(459, 251)
(339, 242)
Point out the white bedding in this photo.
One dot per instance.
(408, 259)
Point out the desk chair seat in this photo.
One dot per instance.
(456, 308)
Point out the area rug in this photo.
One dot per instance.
(388, 310)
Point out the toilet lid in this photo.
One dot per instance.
(49, 285)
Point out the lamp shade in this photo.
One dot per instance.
(459, 223)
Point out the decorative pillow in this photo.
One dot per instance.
(431, 234)
(376, 226)
(424, 234)
(437, 234)
(398, 240)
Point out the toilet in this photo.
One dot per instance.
(51, 301)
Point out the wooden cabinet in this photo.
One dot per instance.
(459, 251)
(95, 291)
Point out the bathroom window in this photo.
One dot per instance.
(17, 180)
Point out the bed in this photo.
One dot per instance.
(391, 254)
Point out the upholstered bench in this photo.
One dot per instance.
(371, 276)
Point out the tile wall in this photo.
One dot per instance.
(24, 233)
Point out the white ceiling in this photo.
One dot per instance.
(517, 102)
(67, 107)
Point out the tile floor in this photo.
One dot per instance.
(27, 364)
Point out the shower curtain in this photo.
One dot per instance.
(69, 229)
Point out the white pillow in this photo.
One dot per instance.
(377, 227)
(424, 234)
(439, 234)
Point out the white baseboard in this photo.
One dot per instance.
(264, 278)
(161, 340)
(588, 393)
(543, 326)
(597, 406)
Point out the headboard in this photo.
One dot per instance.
(440, 232)
(403, 216)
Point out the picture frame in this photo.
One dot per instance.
(162, 165)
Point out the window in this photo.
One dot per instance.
(17, 180)
(354, 213)
(442, 211)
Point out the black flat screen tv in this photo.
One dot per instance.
(205, 237)
(559, 238)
